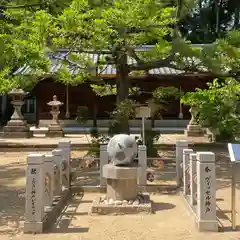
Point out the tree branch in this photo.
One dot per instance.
(71, 63)
(21, 6)
(154, 64)
(146, 28)
(131, 53)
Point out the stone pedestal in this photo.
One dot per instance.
(122, 193)
(194, 131)
(17, 127)
(55, 129)
(121, 182)
(193, 128)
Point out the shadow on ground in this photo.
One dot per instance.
(12, 195)
(162, 206)
(68, 214)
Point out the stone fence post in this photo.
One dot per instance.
(186, 170)
(103, 161)
(49, 179)
(193, 176)
(142, 162)
(180, 145)
(57, 153)
(65, 146)
(34, 209)
(206, 192)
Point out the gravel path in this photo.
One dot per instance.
(170, 221)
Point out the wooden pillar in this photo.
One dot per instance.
(37, 112)
(180, 116)
(67, 114)
(4, 107)
(95, 111)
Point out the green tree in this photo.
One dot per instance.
(24, 37)
(208, 20)
(217, 107)
(114, 28)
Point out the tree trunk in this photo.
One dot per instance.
(122, 82)
(236, 18)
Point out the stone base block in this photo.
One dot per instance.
(16, 134)
(194, 131)
(17, 122)
(119, 172)
(50, 214)
(207, 226)
(121, 182)
(199, 133)
(142, 205)
(53, 134)
(33, 227)
(202, 226)
(123, 189)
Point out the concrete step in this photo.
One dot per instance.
(82, 130)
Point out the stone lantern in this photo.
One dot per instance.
(193, 128)
(55, 129)
(17, 127)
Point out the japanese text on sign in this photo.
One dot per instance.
(33, 196)
(207, 190)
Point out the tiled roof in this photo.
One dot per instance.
(106, 70)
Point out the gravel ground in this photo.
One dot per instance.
(171, 219)
(86, 139)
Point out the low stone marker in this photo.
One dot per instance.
(186, 168)
(103, 161)
(65, 146)
(34, 210)
(180, 145)
(45, 195)
(206, 192)
(142, 162)
(49, 179)
(201, 178)
(57, 153)
(193, 178)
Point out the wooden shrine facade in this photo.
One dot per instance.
(99, 107)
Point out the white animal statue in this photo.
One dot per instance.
(122, 150)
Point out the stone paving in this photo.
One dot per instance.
(84, 139)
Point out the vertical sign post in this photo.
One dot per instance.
(206, 192)
(143, 112)
(234, 153)
(34, 208)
